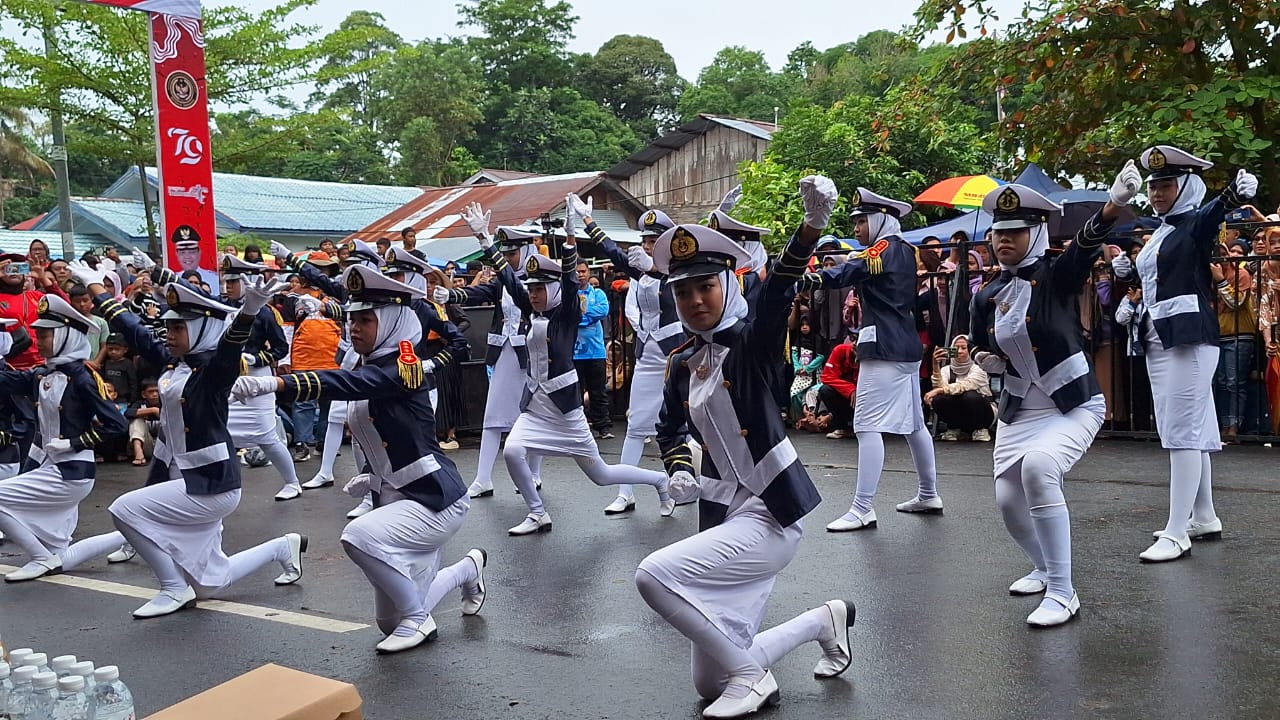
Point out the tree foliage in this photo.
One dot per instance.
(740, 83)
(354, 54)
(636, 79)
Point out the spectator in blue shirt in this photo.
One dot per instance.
(589, 355)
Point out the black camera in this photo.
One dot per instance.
(549, 223)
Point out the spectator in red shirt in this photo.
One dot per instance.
(19, 304)
(839, 383)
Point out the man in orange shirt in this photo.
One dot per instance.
(316, 335)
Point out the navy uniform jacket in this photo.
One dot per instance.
(449, 343)
(668, 320)
(407, 455)
(754, 344)
(885, 276)
(82, 402)
(490, 293)
(1183, 307)
(209, 465)
(267, 343)
(17, 412)
(562, 332)
(1053, 323)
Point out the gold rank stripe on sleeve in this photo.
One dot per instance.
(164, 276)
(90, 438)
(6, 439)
(442, 358)
(264, 358)
(456, 296)
(570, 261)
(238, 334)
(1093, 233)
(596, 233)
(495, 258)
(791, 264)
(306, 385)
(112, 309)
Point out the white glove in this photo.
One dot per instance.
(683, 487)
(58, 445)
(279, 251)
(577, 207)
(990, 362)
(358, 486)
(1121, 265)
(305, 306)
(731, 199)
(1245, 185)
(570, 222)
(639, 259)
(477, 219)
(87, 276)
(257, 292)
(248, 386)
(248, 360)
(142, 261)
(1126, 186)
(440, 295)
(819, 195)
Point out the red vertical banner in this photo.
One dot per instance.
(187, 221)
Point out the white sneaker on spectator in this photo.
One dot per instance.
(982, 435)
(951, 435)
(840, 434)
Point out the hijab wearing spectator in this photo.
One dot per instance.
(960, 369)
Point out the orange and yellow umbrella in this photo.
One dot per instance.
(960, 192)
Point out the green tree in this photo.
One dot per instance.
(333, 148)
(636, 79)
(354, 53)
(556, 131)
(1090, 84)
(18, 159)
(521, 43)
(738, 82)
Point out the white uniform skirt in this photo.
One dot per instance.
(647, 383)
(407, 535)
(506, 387)
(545, 431)
(1066, 438)
(728, 571)
(253, 422)
(8, 470)
(888, 398)
(1182, 388)
(47, 504)
(337, 412)
(187, 527)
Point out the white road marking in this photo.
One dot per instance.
(285, 617)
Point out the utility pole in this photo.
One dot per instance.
(58, 154)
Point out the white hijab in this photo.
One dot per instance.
(1191, 192)
(69, 345)
(883, 225)
(205, 332)
(1036, 248)
(396, 323)
(759, 256)
(735, 306)
(416, 280)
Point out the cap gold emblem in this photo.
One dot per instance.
(531, 267)
(171, 297)
(650, 218)
(43, 306)
(1008, 201)
(856, 200)
(501, 236)
(1157, 160)
(684, 245)
(226, 263)
(714, 222)
(355, 282)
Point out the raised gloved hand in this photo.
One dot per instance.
(478, 220)
(142, 261)
(810, 281)
(279, 251)
(819, 195)
(441, 295)
(578, 207)
(683, 487)
(570, 220)
(248, 386)
(248, 360)
(1126, 185)
(358, 486)
(990, 362)
(731, 199)
(1245, 185)
(305, 306)
(58, 445)
(1121, 265)
(86, 275)
(258, 291)
(639, 259)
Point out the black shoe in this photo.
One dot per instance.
(301, 453)
(606, 435)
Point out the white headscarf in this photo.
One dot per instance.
(1191, 192)
(417, 281)
(883, 225)
(735, 306)
(69, 345)
(205, 332)
(1036, 248)
(396, 323)
(759, 256)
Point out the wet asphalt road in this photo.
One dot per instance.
(564, 634)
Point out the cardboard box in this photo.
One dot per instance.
(271, 692)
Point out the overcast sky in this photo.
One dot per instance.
(691, 30)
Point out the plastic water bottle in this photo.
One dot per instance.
(37, 660)
(6, 689)
(61, 665)
(44, 694)
(17, 656)
(21, 692)
(83, 669)
(72, 703)
(111, 698)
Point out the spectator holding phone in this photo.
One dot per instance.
(18, 303)
(961, 394)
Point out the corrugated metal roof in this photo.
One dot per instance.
(19, 241)
(496, 176)
(683, 135)
(28, 223)
(130, 216)
(253, 203)
(436, 213)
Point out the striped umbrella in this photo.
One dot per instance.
(960, 192)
